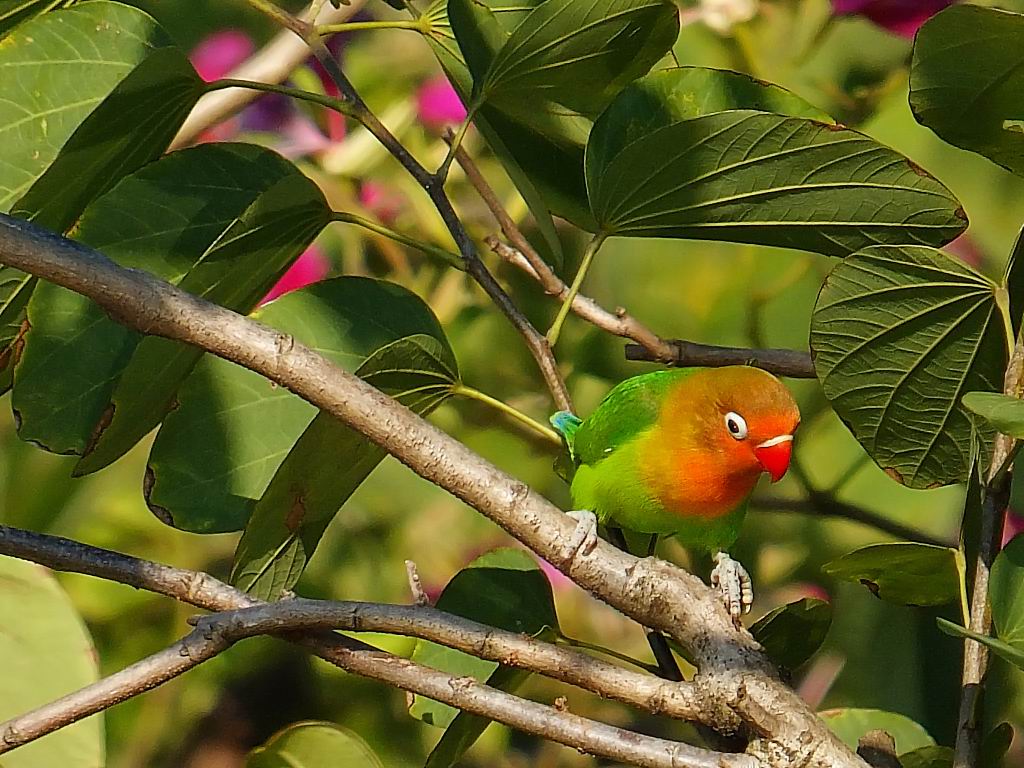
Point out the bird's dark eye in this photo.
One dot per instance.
(736, 425)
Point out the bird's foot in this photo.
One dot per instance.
(584, 537)
(736, 585)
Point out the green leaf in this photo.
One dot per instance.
(313, 745)
(577, 56)
(1003, 413)
(326, 465)
(967, 81)
(1006, 593)
(754, 177)
(850, 723)
(441, 39)
(61, 65)
(465, 729)
(905, 573)
(790, 634)
(1013, 283)
(504, 588)
(996, 744)
(15, 290)
(673, 95)
(47, 653)
(15, 12)
(131, 127)
(1005, 651)
(216, 452)
(898, 336)
(929, 757)
(223, 221)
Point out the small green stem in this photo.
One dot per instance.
(588, 256)
(354, 26)
(453, 146)
(338, 105)
(544, 431)
(281, 16)
(432, 250)
(583, 645)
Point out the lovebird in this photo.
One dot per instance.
(678, 452)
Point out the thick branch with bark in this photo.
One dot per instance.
(737, 686)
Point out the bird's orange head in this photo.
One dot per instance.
(719, 430)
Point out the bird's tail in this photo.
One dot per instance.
(566, 424)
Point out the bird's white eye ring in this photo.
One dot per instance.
(736, 425)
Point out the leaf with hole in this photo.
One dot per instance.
(754, 177)
(217, 451)
(850, 723)
(898, 335)
(223, 221)
(905, 573)
(504, 588)
(61, 65)
(967, 81)
(329, 461)
(791, 634)
(48, 654)
(313, 745)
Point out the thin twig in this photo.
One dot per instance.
(434, 187)
(272, 63)
(782, 362)
(995, 501)
(654, 593)
(824, 504)
(419, 595)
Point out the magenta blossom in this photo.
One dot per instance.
(438, 104)
(221, 52)
(1013, 525)
(902, 17)
(311, 267)
(380, 200)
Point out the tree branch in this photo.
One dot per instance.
(273, 63)
(995, 501)
(736, 682)
(204, 591)
(781, 362)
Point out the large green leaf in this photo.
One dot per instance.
(967, 81)
(506, 589)
(131, 127)
(929, 757)
(1002, 412)
(792, 633)
(232, 429)
(57, 68)
(47, 653)
(755, 177)
(906, 573)
(514, 156)
(1006, 593)
(673, 95)
(898, 336)
(328, 462)
(313, 745)
(850, 723)
(572, 57)
(221, 220)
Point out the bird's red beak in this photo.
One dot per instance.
(774, 455)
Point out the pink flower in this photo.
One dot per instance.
(221, 52)
(438, 105)
(383, 202)
(1013, 525)
(901, 17)
(311, 267)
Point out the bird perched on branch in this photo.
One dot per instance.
(678, 452)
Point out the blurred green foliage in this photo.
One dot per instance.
(876, 654)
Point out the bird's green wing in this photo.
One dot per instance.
(626, 411)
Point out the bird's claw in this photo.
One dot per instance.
(735, 583)
(584, 537)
